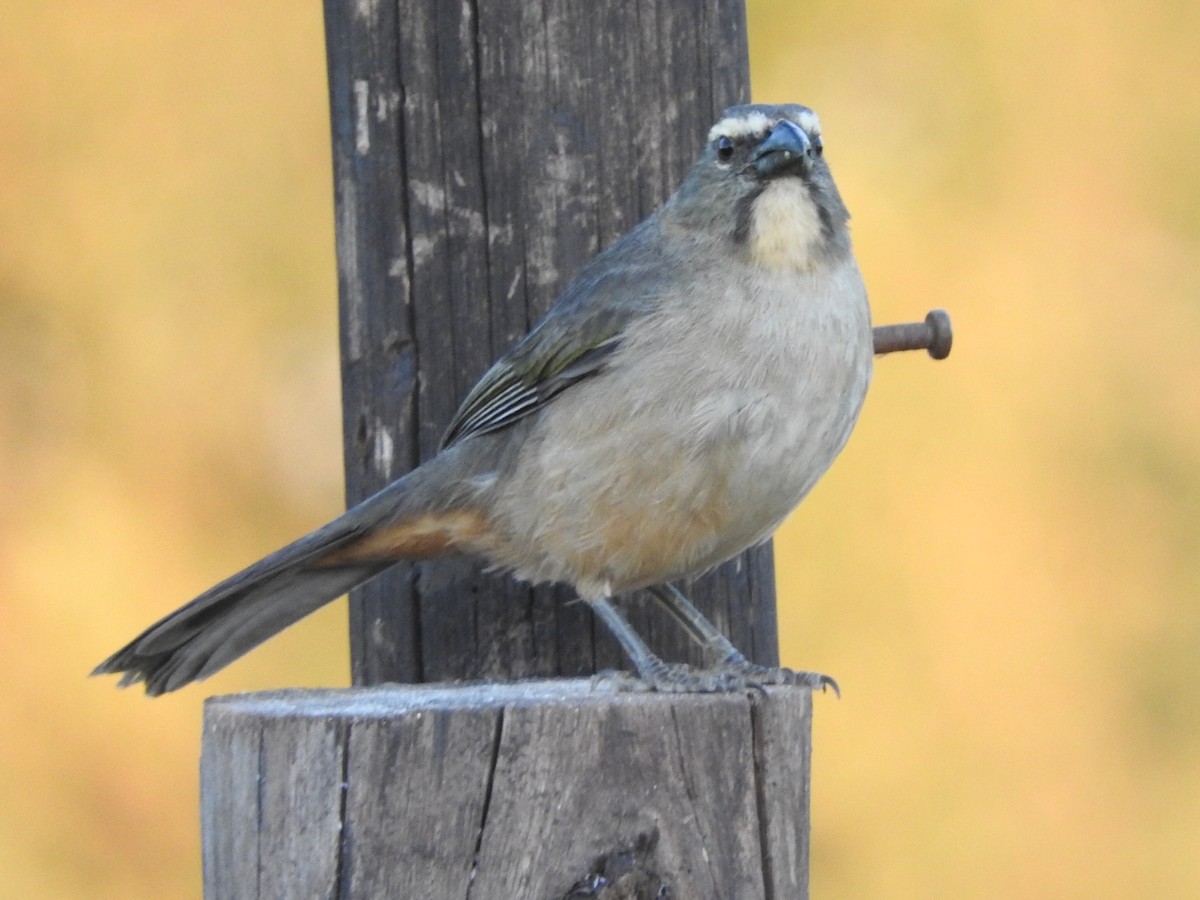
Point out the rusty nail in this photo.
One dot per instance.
(934, 335)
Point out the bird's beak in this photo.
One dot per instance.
(786, 147)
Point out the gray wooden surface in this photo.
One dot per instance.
(506, 792)
(483, 151)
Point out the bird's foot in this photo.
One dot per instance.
(679, 678)
(761, 676)
(672, 678)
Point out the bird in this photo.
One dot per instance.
(679, 399)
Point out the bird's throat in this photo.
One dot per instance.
(785, 227)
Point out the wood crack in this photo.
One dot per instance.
(487, 799)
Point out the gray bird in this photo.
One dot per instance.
(675, 404)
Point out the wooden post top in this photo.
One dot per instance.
(387, 701)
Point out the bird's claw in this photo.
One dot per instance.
(770, 675)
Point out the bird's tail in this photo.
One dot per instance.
(241, 612)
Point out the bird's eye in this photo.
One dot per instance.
(817, 147)
(724, 148)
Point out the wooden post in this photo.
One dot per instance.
(540, 791)
(483, 151)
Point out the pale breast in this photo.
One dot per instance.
(712, 423)
(804, 364)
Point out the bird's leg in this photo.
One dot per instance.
(653, 673)
(720, 648)
(706, 635)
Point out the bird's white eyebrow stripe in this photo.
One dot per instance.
(735, 127)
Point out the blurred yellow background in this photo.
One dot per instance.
(1003, 569)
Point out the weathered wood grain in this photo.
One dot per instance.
(493, 792)
(272, 806)
(483, 151)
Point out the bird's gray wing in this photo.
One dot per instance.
(573, 341)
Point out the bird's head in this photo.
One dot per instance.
(762, 183)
